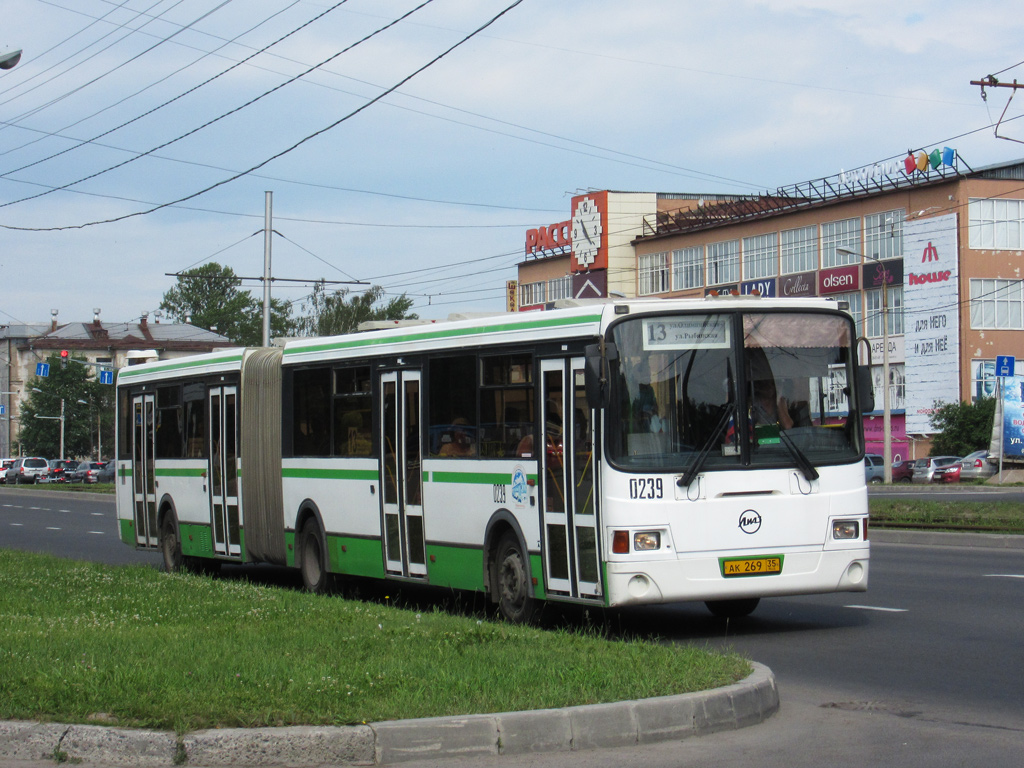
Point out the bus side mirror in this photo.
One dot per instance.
(595, 372)
(865, 390)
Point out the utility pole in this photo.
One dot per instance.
(267, 237)
(992, 82)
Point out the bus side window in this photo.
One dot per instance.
(507, 418)
(452, 420)
(195, 421)
(352, 407)
(170, 438)
(312, 410)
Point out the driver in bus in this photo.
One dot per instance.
(768, 407)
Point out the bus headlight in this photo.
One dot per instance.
(645, 541)
(845, 529)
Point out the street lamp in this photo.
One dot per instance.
(59, 418)
(9, 58)
(886, 404)
(99, 431)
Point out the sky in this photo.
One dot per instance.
(411, 144)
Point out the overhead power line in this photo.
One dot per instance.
(293, 147)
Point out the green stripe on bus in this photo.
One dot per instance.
(179, 472)
(456, 567)
(183, 363)
(444, 333)
(355, 556)
(537, 571)
(127, 531)
(480, 478)
(330, 474)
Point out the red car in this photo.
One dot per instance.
(901, 471)
(947, 474)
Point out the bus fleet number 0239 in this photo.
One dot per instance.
(646, 488)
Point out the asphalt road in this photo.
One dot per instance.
(924, 669)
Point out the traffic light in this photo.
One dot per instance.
(63, 358)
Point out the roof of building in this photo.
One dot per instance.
(98, 335)
(868, 181)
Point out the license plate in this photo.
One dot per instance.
(751, 566)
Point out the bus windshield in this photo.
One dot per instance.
(732, 390)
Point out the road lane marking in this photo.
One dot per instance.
(17, 525)
(1004, 575)
(877, 608)
(51, 528)
(99, 532)
(96, 514)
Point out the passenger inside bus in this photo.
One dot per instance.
(458, 442)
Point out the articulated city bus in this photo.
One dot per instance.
(607, 454)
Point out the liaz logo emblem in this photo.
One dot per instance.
(750, 521)
(520, 489)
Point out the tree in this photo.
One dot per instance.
(335, 313)
(963, 427)
(210, 296)
(75, 382)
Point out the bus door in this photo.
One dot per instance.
(223, 471)
(401, 474)
(568, 490)
(144, 484)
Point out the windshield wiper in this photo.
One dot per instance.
(705, 449)
(802, 462)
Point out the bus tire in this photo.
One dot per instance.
(170, 546)
(733, 609)
(515, 601)
(312, 561)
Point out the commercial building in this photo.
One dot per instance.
(944, 241)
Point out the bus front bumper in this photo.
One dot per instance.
(700, 577)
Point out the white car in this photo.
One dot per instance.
(27, 469)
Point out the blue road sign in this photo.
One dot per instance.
(42, 369)
(3, 410)
(106, 377)
(1005, 365)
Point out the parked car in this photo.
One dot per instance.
(107, 474)
(902, 471)
(947, 474)
(87, 472)
(5, 464)
(976, 466)
(26, 470)
(58, 471)
(874, 468)
(924, 469)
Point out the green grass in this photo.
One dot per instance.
(980, 516)
(83, 642)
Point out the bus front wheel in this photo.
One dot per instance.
(315, 577)
(733, 609)
(514, 599)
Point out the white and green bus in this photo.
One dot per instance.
(610, 454)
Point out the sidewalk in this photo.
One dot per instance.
(619, 724)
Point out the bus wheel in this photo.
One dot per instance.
(733, 609)
(514, 599)
(170, 546)
(311, 550)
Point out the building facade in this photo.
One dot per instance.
(105, 346)
(927, 252)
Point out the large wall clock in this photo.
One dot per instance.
(586, 232)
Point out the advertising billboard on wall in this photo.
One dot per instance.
(1013, 416)
(931, 317)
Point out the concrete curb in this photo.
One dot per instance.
(947, 538)
(569, 729)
